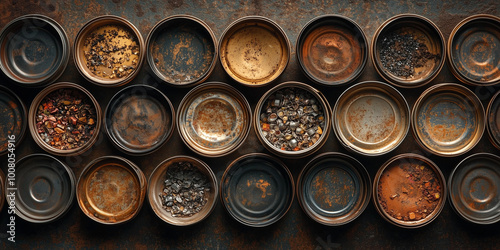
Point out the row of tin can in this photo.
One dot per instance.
(182, 50)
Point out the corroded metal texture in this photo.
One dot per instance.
(13, 119)
(493, 120)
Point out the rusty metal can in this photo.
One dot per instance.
(35, 50)
(157, 184)
(45, 188)
(292, 120)
(254, 50)
(334, 189)
(214, 119)
(474, 50)
(44, 110)
(474, 187)
(257, 189)
(409, 191)
(3, 193)
(139, 119)
(111, 190)
(448, 119)
(408, 50)
(493, 120)
(109, 51)
(371, 118)
(332, 50)
(182, 50)
(13, 120)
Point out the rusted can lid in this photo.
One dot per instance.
(332, 50)
(474, 50)
(448, 119)
(493, 119)
(257, 190)
(45, 188)
(13, 119)
(254, 50)
(334, 189)
(214, 119)
(474, 187)
(139, 119)
(371, 118)
(111, 190)
(182, 50)
(34, 50)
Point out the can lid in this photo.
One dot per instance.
(493, 117)
(45, 188)
(13, 118)
(474, 187)
(257, 190)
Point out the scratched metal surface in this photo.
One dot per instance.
(295, 230)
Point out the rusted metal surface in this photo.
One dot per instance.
(474, 50)
(13, 119)
(111, 190)
(219, 230)
(474, 188)
(332, 50)
(493, 120)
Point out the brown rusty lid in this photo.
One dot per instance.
(111, 190)
(13, 119)
(332, 50)
(474, 50)
(493, 119)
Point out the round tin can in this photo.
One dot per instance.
(371, 118)
(214, 119)
(334, 189)
(45, 188)
(257, 190)
(111, 190)
(474, 50)
(474, 187)
(182, 50)
(493, 119)
(448, 119)
(2, 190)
(139, 119)
(408, 50)
(409, 191)
(13, 120)
(332, 50)
(157, 184)
(109, 51)
(63, 125)
(254, 50)
(34, 50)
(292, 120)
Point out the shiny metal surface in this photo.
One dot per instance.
(371, 118)
(474, 50)
(448, 119)
(13, 119)
(334, 189)
(45, 188)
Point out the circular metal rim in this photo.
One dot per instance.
(410, 224)
(300, 153)
(450, 183)
(329, 17)
(193, 93)
(32, 121)
(277, 162)
(139, 175)
(335, 123)
(397, 82)
(473, 99)
(365, 199)
(88, 28)
(495, 98)
(155, 207)
(152, 34)
(112, 137)
(277, 29)
(24, 123)
(3, 194)
(452, 65)
(72, 180)
(66, 51)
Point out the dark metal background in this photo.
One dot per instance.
(295, 230)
